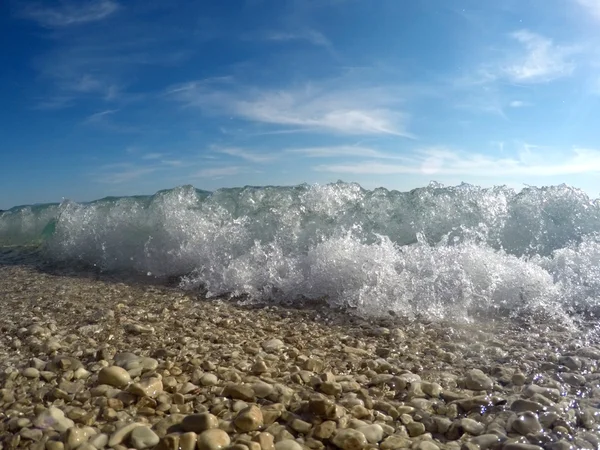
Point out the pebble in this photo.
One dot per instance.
(478, 381)
(272, 345)
(373, 433)
(527, 423)
(143, 437)
(187, 441)
(149, 387)
(249, 419)
(214, 439)
(200, 422)
(472, 427)
(122, 433)
(349, 439)
(209, 379)
(55, 418)
(415, 428)
(288, 444)
(114, 376)
(31, 372)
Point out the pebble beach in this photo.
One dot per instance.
(90, 363)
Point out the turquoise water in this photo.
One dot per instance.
(436, 251)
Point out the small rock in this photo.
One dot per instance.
(288, 444)
(75, 437)
(55, 418)
(349, 439)
(239, 392)
(272, 345)
(200, 422)
(265, 440)
(325, 429)
(31, 372)
(114, 376)
(33, 434)
(478, 381)
(415, 429)
(249, 419)
(143, 437)
(527, 423)
(187, 441)
(149, 387)
(209, 379)
(373, 433)
(122, 433)
(214, 439)
(472, 427)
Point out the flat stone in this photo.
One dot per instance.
(187, 441)
(349, 439)
(209, 379)
(486, 441)
(76, 437)
(55, 418)
(325, 429)
(527, 423)
(122, 433)
(472, 427)
(32, 434)
(550, 393)
(373, 433)
(288, 444)
(31, 372)
(249, 419)
(522, 405)
(114, 376)
(143, 437)
(395, 442)
(239, 391)
(272, 345)
(415, 429)
(265, 440)
(200, 422)
(214, 439)
(149, 387)
(478, 381)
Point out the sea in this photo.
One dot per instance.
(437, 252)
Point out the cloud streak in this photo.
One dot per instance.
(591, 7)
(248, 155)
(542, 61)
(440, 161)
(70, 13)
(359, 111)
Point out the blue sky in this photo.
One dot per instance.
(108, 97)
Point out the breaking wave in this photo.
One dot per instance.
(436, 251)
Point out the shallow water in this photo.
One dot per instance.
(435, 252)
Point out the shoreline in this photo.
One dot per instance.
(315, 377)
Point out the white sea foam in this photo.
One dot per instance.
(437, 251)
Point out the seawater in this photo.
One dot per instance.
(437, 252)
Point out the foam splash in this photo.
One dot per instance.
(440, 252)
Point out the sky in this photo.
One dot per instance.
(124, 97)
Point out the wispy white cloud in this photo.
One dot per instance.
(309, 35)
(70, 13)
(341, 151)
(518, 104)
(123, 175)
(542, 60)
(591, 7)
(99, 116)
(248, 155)
(358, 111)
(219, 172)
(441, 161)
